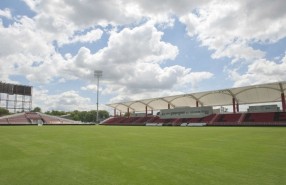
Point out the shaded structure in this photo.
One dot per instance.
(15, 97)
(254, 94)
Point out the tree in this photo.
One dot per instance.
(56, 113)
(4, 112)
(103, 114)
(37, 109)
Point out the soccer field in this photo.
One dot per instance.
(74, 155)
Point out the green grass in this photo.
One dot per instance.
(67, 155)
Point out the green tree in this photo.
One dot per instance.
(56, 113)
(37, 109)
(4, 112)
(103, 114)
(84, 116)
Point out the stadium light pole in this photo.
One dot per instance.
(97, 74)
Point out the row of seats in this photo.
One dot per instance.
(232, 119)
(18, 119)
(28, 118)
(244, 119)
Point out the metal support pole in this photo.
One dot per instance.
(15, 103)
(233, 105)
(23, 103)
(31, 100)
(7, 102)
(97, 100)
(283, 102)
(97, 74)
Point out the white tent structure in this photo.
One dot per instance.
(254, 94)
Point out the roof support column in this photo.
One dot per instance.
(114, 112)
(152, 111)
(128, 114)
(168, 105)
(146, 111)
(197, 103)
(237, 107)
(7, 101)
(233, 105)
(283, 102)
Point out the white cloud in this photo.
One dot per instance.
(23, 37)
(110, 12)
(65, 101)
(229, 28)
(87, 13)
(238, 51)
(90, 87)
(6, 13)
(131, 64)
(89, 37)
(121, 97)
(27, 52)
(133, 60)
(125, 50)
(260, 71)
(163, 7)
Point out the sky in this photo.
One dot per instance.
(145, 48)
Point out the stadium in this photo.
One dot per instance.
(128, 149)
(194, 109)
(142, 92)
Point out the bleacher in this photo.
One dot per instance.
(51, 120)
(19, 121)
(208, 119)
(226, 119)
(33, 118)
(3, 121)
(280, 117)
(32, 115)
(124, 121)
(230, 119)
(264, 119)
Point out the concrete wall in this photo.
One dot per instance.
(186, 112)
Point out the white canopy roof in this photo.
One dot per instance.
(263, 93)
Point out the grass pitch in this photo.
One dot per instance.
(74, 155)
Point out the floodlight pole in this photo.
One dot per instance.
(97, 74)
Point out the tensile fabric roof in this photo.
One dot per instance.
(254, 94)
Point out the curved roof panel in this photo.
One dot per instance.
(262, 93)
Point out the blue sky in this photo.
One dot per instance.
(145, 49)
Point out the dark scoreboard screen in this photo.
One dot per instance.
(15, 89)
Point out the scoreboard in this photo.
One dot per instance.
(12, 89)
